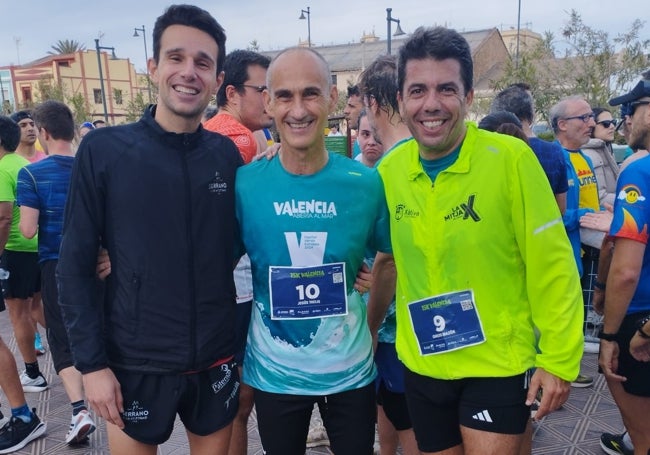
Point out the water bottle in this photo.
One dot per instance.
(4, 274)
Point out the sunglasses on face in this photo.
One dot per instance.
(607, 123)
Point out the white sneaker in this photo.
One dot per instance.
(37, 384)
(81, 425)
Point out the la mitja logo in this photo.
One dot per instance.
(464, 211)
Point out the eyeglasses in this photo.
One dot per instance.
(257, 88)
(585, 118)
(607, 123)
(636, 104)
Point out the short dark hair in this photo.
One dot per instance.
(353, 90)
(379, 81)
(9, 134)
(190, 16)
(56, 118)
(98, 121)
(493, 120)
(235, 70)
(439, 43)
(516, 100)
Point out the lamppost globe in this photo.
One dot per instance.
(302, 16)
(146, 56)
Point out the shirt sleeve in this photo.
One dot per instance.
(552, 281)
(78, 294)
(26, 194)
(631, 207)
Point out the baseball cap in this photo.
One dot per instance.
(21, 115)
(87, 125)
(641, 89)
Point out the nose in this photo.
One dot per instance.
(188, 69)
(431, 101)
(297, 109)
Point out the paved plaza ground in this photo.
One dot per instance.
(575, 429)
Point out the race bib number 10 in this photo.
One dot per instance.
(308, 292)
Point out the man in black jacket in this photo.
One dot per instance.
(159, 196)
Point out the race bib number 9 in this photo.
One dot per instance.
(446, 322)
(308, 292)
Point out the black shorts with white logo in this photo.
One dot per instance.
(439, 407)
(206, 401)
(24, 274)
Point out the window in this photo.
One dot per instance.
(117, 96)
(97, 94)
(334, 80)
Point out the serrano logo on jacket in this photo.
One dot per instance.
(217, 185)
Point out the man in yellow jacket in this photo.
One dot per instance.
(487, 287)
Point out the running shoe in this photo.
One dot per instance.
(81, 426)
(38, 344)
(613, 444)
(38, 384)
(16, 434)
(582, 381)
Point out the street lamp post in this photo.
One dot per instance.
(146, 56)
(398, 30)
(101, 74)
(302, 16)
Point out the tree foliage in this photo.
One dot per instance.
(136, 106)
(67, 46)
(48, 90)
(584, 61)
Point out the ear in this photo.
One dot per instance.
(268, 106)
(400, 103)
(469, 98)
(231, 92)
(220, 77)
(152, 69)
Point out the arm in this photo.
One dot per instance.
(6, 215)
(623, 278)
(76, 276)
(384, 276)
(28, 221)
(561, 202)
(604, 261)
(552, 285)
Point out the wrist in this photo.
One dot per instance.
(599, 285)
(640, 328)
(613, 337)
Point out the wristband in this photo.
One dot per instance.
(599, 285)
(608, 336)
(639, 327)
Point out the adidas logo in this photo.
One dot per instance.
(483, 416)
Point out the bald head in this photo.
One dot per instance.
(286, 60)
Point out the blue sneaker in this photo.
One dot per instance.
(38, 344)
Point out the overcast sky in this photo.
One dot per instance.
(30, 27)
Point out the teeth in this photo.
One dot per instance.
(432, 124)
(299, 125)
(189, 91)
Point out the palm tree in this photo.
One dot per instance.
(67, 46)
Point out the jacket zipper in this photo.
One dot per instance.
(190, 253)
